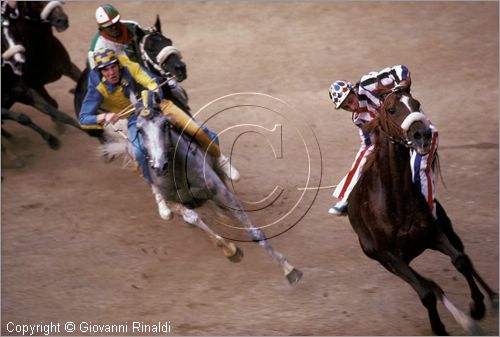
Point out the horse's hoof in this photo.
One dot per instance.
(294, 276)
(494, 302)
(477, 310)
(54, 143)
(237, 256)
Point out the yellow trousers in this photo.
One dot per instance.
(183, 122)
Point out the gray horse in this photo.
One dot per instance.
(186, 178)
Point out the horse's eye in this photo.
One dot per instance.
(391, 110)
(417, 135)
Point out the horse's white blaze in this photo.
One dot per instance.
(462, 318)
(49, 8)
(156, 149)
(406, 101)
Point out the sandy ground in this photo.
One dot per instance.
(82, 241)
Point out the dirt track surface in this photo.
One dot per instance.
(82, 241)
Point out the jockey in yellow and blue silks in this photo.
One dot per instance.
(113, 86)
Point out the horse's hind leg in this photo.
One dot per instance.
(233, 253)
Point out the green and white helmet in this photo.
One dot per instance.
(106, 15)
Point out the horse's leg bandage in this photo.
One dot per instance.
(184, 123)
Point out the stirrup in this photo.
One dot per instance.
(163, 210)
(229, 170)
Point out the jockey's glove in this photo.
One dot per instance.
(150, 98)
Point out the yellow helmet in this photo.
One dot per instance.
(104, 57)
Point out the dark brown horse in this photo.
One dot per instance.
(13, 65)
(45, 61)
(392, 219)
(46, 58)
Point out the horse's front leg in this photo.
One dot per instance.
(25, 120)
(35, 99)
(446, 225)
(230, 250)
(428, 292)
(463, 264)
(72, 71)
(224, 197)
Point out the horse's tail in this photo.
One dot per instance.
(111, 150)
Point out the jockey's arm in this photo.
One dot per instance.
(90, 116)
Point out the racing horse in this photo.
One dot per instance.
(47, 59)
(159, 56)
(186, 178)
(13, 65)
(393, 221)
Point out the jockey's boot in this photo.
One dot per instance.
(165, 212)
(339, 209)
(229, 170)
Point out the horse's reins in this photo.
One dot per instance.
(128, 110)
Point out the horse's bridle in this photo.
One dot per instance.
(405, 125)
(160, 58)
(45, 13)
(14, 51)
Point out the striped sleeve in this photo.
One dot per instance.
(372, 84)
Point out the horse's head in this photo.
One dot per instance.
(162, 57)
(12, 52)
(404, 122)
(153, 127)
(45, 11)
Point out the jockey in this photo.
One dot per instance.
(363, 101)
(123, 37)
(113, 86)
(118, 35)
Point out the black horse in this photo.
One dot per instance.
(46, 58)
(159, 56)
(13, 65)
(392, 218)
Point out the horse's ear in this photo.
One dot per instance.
(157, 23)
